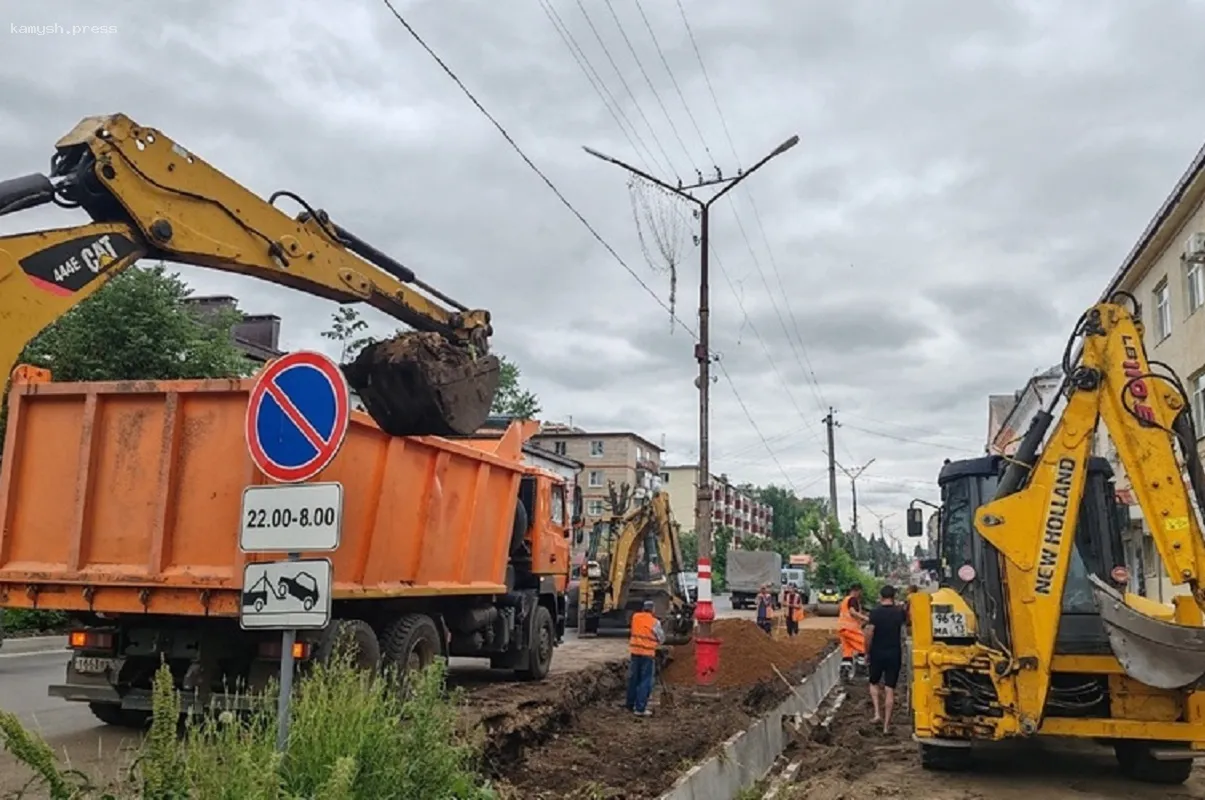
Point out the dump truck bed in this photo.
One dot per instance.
(126, 497)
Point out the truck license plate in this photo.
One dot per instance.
(91, 665)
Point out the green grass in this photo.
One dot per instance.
(353, 735)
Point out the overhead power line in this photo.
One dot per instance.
(906, 440)
(677, 88)
(532, 165)
(695, 44)
(623, 81)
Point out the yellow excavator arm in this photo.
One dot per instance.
(149, 197)
(1148, 418)
(607, 580)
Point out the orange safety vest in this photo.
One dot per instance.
(642, 641)
(845, 616)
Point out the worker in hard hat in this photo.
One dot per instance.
(646, 636)
(850, 620)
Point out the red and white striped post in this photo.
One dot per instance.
(707, 649)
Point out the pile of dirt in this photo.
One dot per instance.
(747, 654)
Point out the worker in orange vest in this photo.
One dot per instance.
(850, 620)
(765, 609)
(794, 604)
(645, 638)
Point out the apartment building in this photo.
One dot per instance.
(1165, 271)
(616, 457)
(730, 507)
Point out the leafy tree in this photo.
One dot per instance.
(347, 329)
(512, 399)
(139, 326)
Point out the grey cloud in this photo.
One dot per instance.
(968, 178)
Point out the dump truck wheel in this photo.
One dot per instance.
(411, 642)
(111, 714)
(1136, 762)
(944, 759)
(354, 634)
(543, 639)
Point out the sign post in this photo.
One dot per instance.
(297, 419)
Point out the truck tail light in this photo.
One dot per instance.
(90, 640)
(272, 649)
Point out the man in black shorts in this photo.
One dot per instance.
(885, 652)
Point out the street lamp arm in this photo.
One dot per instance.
(641, 173)
(777, 151)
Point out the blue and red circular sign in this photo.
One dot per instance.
(297, 416)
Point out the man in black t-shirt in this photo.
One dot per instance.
(885, 653)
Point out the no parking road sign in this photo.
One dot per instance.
(297, 416)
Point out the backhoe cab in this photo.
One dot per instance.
(1034, 629)
(148, 197)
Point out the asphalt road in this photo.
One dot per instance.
(96, 748)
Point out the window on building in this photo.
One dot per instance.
(594, 508)
(639, 453)
(1194, 285)
(560, 448)
(596, 478)
(665, 477)
(1163, 311)
(1197, 388)
(596, 448)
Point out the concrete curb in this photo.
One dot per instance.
(749, 755)
(28, 645)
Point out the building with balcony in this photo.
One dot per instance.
(730, 506)
(607, 458)
(1165, 272)
(1009, 415)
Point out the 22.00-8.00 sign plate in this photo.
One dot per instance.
(291, 518)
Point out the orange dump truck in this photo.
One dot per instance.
(121, 504)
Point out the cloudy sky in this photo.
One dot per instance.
(968, 177)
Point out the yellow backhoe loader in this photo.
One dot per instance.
(149, 197)
(1034, 630)
(612, 587)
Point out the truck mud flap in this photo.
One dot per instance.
(1160, 654)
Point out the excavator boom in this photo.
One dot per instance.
(1147, 416)
(149, 197)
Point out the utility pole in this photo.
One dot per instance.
(707, 649)
(853, 476)
(882, 533)
(829, 424)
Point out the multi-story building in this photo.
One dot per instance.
(257, 335)
(1165, 272)
(607, 458)
(1009, 415)
(730, 507)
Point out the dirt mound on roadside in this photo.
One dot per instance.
(747, 654)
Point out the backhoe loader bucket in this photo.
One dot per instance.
(421, 384)
(679, 625)
(1161, 654)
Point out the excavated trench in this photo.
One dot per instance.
(570, 737)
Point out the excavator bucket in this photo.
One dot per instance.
(422, 384)
(679, 625)
(1157, 652)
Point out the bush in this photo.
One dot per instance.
(23, 620)
(353, 735)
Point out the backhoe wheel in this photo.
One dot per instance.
(1137, 763)
(112, 714)
(543, 638)
(356, 638)
(936, 758)
(410, 642)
